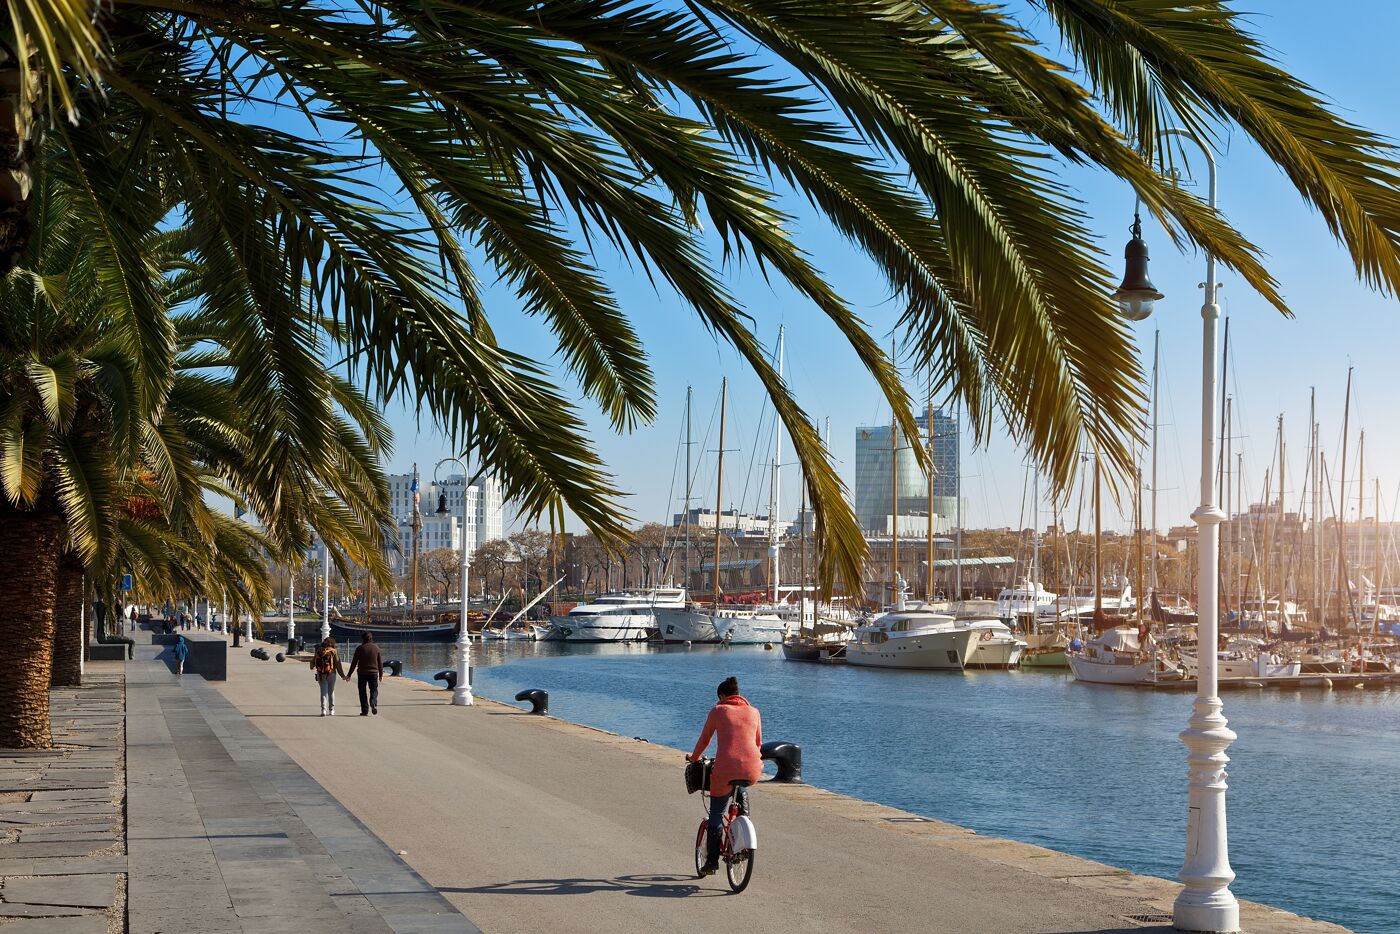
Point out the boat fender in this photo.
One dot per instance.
(395, 667)
(539, 700)
(259, 653)
(787, 757)
(767, 646)
(447, 675)
(743, 835)
(281, 657)
(1327, 682)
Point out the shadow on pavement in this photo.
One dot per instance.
(647, 886)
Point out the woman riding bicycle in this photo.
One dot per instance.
(738, 732)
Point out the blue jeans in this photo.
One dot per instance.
(718, 804)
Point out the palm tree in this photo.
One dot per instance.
(518, 134)
(108, 469)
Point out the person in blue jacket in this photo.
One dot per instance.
(181, 652)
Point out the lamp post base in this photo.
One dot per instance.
(1213, 916)
(462, 697)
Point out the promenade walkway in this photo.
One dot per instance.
(226, 833)
(534, 824)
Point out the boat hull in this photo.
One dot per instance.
(392, 632)
(750, 630)
(1093, 671)
(809, 650)
(935, 651)
(995, 654)
(611, 627)
(1257, 667)
(683, 626)
(1051, 658)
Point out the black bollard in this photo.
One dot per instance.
(395, 667)
(787, 757)
(281, 657)
(447, 675)
(539, 700)
(259, 653)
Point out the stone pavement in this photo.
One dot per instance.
(228, 834)
(62, 855)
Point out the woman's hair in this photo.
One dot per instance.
(728, 687)
(329, 643)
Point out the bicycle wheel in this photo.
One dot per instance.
(700, 847)
(739, 869)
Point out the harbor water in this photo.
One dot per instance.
(1314, 798)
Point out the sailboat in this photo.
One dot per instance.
(816, 639)
(527, 633)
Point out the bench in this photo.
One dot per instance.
(106, 651)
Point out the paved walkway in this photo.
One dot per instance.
(227, 834)
(530, 824)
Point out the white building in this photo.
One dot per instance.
(484, 510)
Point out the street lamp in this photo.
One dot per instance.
(325, 592)
(462, 693)
(1206, 902)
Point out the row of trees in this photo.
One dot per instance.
(188, 231)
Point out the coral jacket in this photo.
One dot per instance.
(738, 733)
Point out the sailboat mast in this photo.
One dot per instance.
(775, 483)
(1316, 521)
(689, 487)
(1156, 412)
(1343, 597)
(1230, 530)
(1360, 514)
(928, 586)
(1035, 535)
(1278, 526)
(417, 525)
(1098, 544)
(719, 484)
(894, 509)
(957, 547)
(1376, 584)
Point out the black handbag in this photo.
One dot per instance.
(697, 775)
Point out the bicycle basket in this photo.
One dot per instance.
(697, 775)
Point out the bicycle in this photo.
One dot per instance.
(739, 842)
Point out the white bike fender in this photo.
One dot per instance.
(743, 835)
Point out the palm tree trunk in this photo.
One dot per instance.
(69, 625)
(29, 548)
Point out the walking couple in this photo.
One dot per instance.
(368, 660)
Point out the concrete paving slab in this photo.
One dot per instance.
(78, 891)
(84, 924)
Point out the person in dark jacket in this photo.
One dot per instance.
(369, 661)
(181, 651)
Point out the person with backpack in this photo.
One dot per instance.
(327, 667)
(181, 651)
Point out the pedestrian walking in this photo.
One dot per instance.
(327, 667)
(369, 661)
(181, 651)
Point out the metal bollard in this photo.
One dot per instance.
(447, 675)
(539, 700)
(281, 657)
(787, 757)
(395, 667)
(259, 653)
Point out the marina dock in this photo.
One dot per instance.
(1324, 682)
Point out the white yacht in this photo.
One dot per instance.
(1028, 598)
(742, 626)
(918, 639)
(618, 617)
(996, 645)
(1244, 663)
(686, 624)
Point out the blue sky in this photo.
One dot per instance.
(1338, 323)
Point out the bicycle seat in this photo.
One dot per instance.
(739, 783)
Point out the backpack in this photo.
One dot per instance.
(325, 662)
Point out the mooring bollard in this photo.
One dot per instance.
(787, 757)
(259, 653)
(395, 667)
(281, 657)
(447, 675)
(539, 700)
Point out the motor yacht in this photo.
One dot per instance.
(917, 639)
(618, 617)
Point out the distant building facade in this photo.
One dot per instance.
(485, 511)
(879, 508)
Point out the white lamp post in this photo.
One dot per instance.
(325, 592)
(291, 606)
(1206, 903)
(462, 693)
